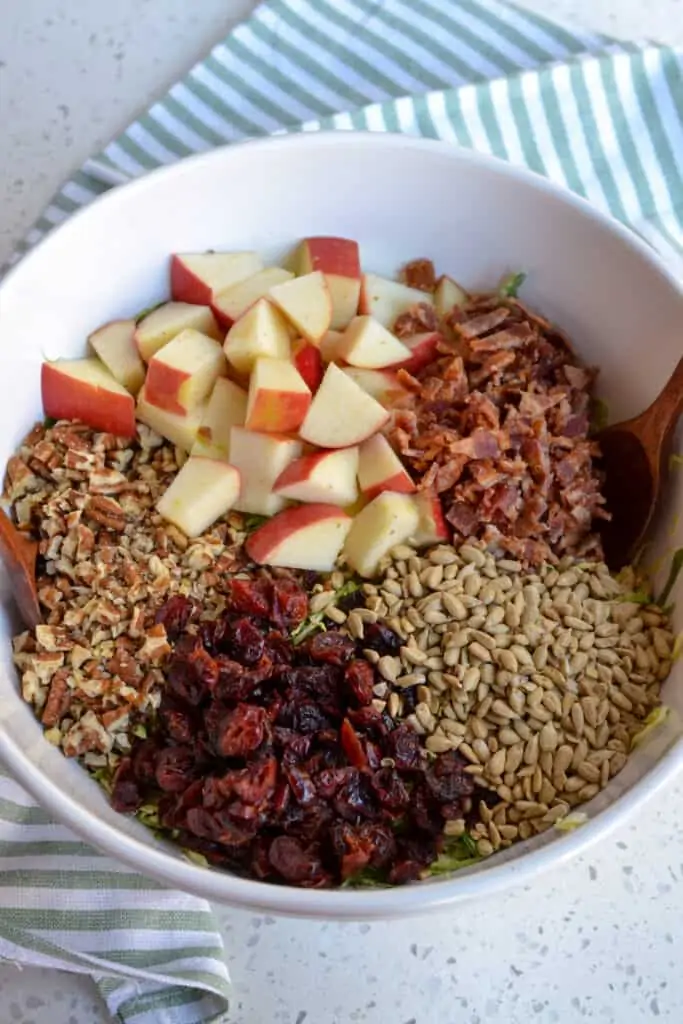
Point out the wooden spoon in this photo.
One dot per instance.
(18, 552)
(634, 455)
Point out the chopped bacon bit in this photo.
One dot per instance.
(420, 274)
(417, 320)
(499, 428)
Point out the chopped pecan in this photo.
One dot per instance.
(58, 699)
(107, 512)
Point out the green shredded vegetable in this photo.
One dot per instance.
(674, 571)
(656, 718)
(510, 285)
(104, 777)
(598, 414)
(147, 310)
(196, 858)
(368, 878)
(316, 621)
(571, 822)
(252, 522)
(458, 853)
(49, 421)
(640, 596)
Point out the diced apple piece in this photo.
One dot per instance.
(196, 277)
(226, 408)
(308, 361)
(231, 303)
(383, 385)
(329, 346)
(424, 350)
(261, 331)
(339, 261)
(202, 492)
(85, 390)
(370, 346)
(182, 374)
(388, 520)
(447, 295)
(278, 397)
(307, 537)
(380, 469)
(432, 527)
(261, 458)
(306, 303)
(328, 477)
(386, 300)
(179, 430)
(162, 324)
(341, 413)
(114, 343)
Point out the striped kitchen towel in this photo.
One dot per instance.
(599, 117)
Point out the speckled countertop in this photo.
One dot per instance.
(598, 940)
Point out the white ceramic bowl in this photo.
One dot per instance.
(401, 198)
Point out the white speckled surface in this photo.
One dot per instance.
(598, 940)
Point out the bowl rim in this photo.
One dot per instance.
(223, 887)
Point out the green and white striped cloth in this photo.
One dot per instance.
(599, 117)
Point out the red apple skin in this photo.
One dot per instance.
(433, 526)
(260, 544)
(163, 386)
(399, 483)
(278, 411)
(338, 256)
(308, 361)
(186, 287)
(67, 398)
(301, 469)
(424, 348)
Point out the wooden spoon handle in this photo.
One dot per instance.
(18, 553)
(660, 419)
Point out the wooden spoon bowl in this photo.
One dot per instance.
(634, 457)
(18, 553)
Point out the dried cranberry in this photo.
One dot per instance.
(250, 597)
(307, 717)
(253, 784)
(292, 861)
(380, 638)
(424, 811)
(216, 827)
(144, 760)
(352, 746)
(241, 731)
(355, 798)
(329, 780)
(390, 789)
(301, 785)
(447, 778)
(358, 847)
(294, 746)
(212, 635)
(289, 604)
(369, 718)
(177, 722)
(331, 647)
(183, 682)
(174, 616)
(278, 648)
(360, 679)
(246, 641)
(175, 768)
(404, 746)
(405, 871)
(125, 796)
(173, 808)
